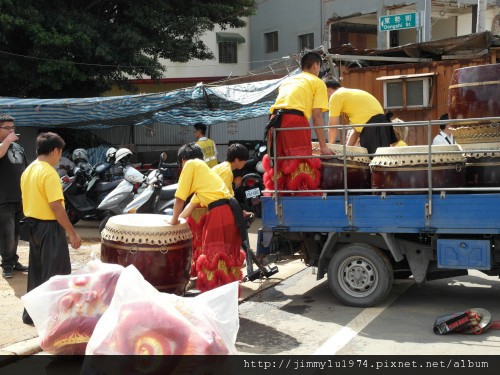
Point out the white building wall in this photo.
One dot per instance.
(212, 68)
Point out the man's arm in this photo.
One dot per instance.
(188, 210)
(5, 144)
(332, 132)
(178, 206)
(62, 218)
(317, 116)
(353, 138)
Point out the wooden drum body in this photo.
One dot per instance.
(161, 252)
(332, 170)
(474, 92)
(483, 164)
(400, 168)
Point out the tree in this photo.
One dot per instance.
(74, 48)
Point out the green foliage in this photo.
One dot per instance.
(74, 48)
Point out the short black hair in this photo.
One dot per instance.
(6, 118)
(201, 127)
(443, 117)
(332, 83)
(48, 142)
(189, 151)
(237, 151)
(309, 59)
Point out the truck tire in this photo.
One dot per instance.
(360, 275)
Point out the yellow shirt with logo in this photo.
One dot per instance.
(40, 185)
(209, 151)
(302, 92)
(196, 177)
(357, 105)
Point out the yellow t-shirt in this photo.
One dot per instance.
(400, 143)
(40, 185)
(302, 92)
(357, 105)
(225, 172)
(196, 177)
(209, 151)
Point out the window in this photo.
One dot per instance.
(271, 40)
(407, 91)
(228, 52)
(360, 35)
(306, 41)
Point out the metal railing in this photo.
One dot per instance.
(430, 190)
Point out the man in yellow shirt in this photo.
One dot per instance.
(300, 97)
(221, 257)
(207, 145)
(358, 107)
(48, 223)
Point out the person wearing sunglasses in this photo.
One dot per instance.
(12, 165)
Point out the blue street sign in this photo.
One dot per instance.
(398, 21)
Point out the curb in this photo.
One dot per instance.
(23, 348)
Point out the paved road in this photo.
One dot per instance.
(301, 316)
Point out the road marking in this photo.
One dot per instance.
(347, 333)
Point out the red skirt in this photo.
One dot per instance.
(221, 257)
(294, 174)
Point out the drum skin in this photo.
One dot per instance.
(162, 253)
(332, 175)
(474, 92)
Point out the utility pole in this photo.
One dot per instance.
(424, 31)
(481, 12)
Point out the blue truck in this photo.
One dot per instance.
(363, 239)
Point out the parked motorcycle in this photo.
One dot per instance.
(82, 195)
(157, 197)
(115, 202)
(249, 182)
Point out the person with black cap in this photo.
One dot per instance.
(444, 137)
(207, 145)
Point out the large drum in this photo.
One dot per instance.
(483, 164)
(161, 252)
(474, 93)
(332, 170)
(400, 168)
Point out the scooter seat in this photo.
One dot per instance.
(168, 192)
(106, 186)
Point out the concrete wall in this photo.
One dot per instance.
(290, 19)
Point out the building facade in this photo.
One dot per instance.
(284, 27)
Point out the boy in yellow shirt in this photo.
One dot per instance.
(221, 257)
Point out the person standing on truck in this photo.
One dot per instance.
(206, 144)
(221, 258)
(444, 137)
(358, 107)
(300, 97)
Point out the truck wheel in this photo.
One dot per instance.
(360, 275)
